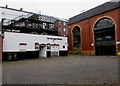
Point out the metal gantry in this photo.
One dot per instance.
(30, 23)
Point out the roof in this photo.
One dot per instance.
(43, 17)
(108, 6)
(61, 19)
(15, 9)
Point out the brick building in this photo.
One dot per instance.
(23, 34)
(96, 31)
(61, 27)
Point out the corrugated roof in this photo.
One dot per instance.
(108, 6)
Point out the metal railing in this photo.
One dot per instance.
(22, 16)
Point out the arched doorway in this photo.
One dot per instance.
(105, 43)
(76, 40)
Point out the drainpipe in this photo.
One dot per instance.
(1, 42)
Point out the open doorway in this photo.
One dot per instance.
(104, 31)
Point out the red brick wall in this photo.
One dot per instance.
(118, 33)
(1, 46)
(87, 34)
(61, 26)
(70, 40)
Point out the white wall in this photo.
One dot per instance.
(11, 41)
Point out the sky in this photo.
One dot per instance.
(57, 8)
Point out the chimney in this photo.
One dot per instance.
(21, 9)
(6, 6)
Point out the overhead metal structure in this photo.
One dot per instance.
(30, 23)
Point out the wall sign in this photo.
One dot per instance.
(118, 42)
(92, 44)
(54, 38)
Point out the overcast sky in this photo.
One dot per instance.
(56, 8)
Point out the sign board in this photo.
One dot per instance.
(118, 42)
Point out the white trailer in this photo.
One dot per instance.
(21, 44)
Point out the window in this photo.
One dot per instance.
(64, 24)
(64, 29)
(48, 47)
(36, 45)
(103, 24)
(104, 30)
(59, 23)
(59, 29)
(44, 25)
(76, 37)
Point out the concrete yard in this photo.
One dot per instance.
(61, 70)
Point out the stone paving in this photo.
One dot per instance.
(74, 69)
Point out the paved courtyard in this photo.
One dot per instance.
(61, 70)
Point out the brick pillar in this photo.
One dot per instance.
(1, 47)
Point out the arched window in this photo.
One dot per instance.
(104, 24)
(76, 39)
(104, 30)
